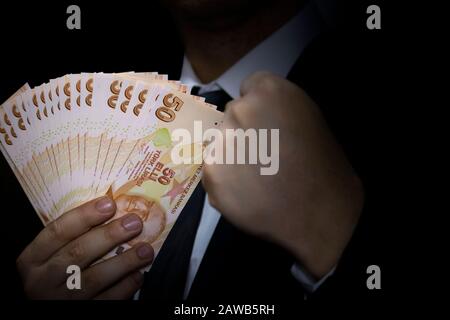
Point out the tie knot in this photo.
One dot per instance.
(217, 97)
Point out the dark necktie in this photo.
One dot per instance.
(167, 278)
(216, 97)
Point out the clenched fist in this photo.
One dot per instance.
(313, 203)
(80, 237)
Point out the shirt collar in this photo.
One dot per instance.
(277, 54)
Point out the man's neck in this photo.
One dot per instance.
(214, 47)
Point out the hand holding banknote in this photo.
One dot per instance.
(312, 205)
(82, 136)
(80, 238)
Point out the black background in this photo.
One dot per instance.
(37, 46)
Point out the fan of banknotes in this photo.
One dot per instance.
(82, 136)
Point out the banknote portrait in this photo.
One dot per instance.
(152, 215)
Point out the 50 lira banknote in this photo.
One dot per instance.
(81, 136)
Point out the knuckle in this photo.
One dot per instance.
(249, 111)
(24, 267)
(76, 251)
(130, 260)
(21, 266)
(230, 104)
(56, 230)
(233, 109)
(85, 214)
(255, 78)
(269, 83)
(112, 231)
(262, 74)
(33, 284)
(56, 265)
(243, 111)
(209, 180)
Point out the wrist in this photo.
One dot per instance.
(318, 241)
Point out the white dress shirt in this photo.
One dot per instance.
(276, 54)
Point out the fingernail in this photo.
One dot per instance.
(145, 251)
(132, 223)
(105, 205)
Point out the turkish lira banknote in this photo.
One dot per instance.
(81, 136)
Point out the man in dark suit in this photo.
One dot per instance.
(249, 237)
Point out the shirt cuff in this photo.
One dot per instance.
(309, 283)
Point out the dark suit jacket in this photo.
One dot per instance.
(342, 75)
(238, 267)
